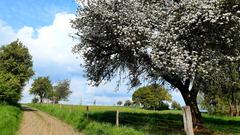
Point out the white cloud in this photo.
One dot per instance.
(52, 43)
(51, 47)
(7, 34)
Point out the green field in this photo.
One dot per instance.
(101, 121)
(10, 117)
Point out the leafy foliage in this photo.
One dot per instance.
(41, 87)
(175, 105)
(127, 103)
(10, 88)
(222, 90)
(119, 103)
(174, 41)
(35, 100)
(61, 91)
(152, 97)
(15, 71)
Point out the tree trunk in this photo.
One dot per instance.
(196, 114)
(236, 106)
(191, 100)
(41, 99)
(230, 109)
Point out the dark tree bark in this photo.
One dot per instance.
(190, 99)
(41, 99)
(236, 106)
(231, 109)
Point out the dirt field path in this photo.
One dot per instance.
(35, 122)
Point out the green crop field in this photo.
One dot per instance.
(101, 120)
(10, 117)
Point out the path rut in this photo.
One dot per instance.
(35, 122)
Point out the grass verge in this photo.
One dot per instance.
(77, 118)
(133, 121)
(10, 117)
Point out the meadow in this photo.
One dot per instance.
(134, 121)
(10, 118)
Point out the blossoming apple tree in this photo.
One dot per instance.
(169, 40)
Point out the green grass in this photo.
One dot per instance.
(222, 124)
(10, 117)
(133, 121)
(76, 116)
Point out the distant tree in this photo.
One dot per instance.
(176, 106)
(128, 103)
(15, 71)
(41, 87)
(94, 102)
(152, 97)
(119, 103)
(61, 91)
(35, 100)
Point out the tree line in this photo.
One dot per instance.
(16, 68)
(42, 88)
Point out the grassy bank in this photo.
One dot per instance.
(222, 124)
(76, 116)
(101, 121)
(10, 117)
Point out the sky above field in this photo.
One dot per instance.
(44, 27)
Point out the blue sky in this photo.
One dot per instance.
(43, 26)
(35, 13)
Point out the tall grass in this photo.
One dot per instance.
(76, 116)
(222, 124)
(10, 117)
(133, 121)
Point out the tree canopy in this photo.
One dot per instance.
(61, 91)
(119, 103)
(152, 97)
(221, 92)
(15, 71)
(41, 87)
(173, 41)
(127, 103)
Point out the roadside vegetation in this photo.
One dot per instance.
(15, 71)
(10, 117)
(101, 120)
(76, 116)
